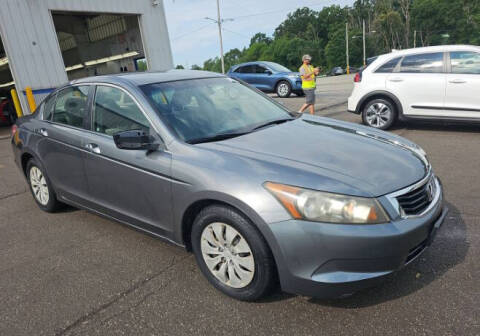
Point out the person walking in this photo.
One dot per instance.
(308, 74)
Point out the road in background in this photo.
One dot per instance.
(75, 273)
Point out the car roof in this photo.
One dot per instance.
(252, 63)
(441, 48)
(142, 78)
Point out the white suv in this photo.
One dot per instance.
(441, 83)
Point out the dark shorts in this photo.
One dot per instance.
(309, 96)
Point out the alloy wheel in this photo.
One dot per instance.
(283, 89)
(378, 115)
(39, 186)
(227, 255)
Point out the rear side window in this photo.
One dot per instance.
(71, 106)
(115, 111)
(48, 109)
(247, 69)
(423, 63)
(465, 62)
(389, 66)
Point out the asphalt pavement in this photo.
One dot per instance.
(75, 273)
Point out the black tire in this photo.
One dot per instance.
(385, 119)
(264, 273)
(283, 89)
(53, 204)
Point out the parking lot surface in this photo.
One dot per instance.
(74, 273)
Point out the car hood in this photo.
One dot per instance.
(372, 161)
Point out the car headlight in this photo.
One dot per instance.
(327, 207)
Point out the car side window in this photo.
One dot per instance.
(115, 111)
(248, 69)
(71, 106)
(48, 109)
(423, 63)
(389, 66)
(238, 70)
(260, 69)
(465, 62)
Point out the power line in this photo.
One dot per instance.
(191, 32)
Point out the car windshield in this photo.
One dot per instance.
(212, 108)
(277, 67)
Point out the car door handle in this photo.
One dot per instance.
(458, 81)
(93, 148)
(42, 131)
(396, 80)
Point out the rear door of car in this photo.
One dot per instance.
(263, 78)
(247, 74)
(463, 83)
(61, 140)
(419, 82)
(130, 185)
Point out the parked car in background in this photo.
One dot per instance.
(432, 83)
(336, 71)
(268, 77)
(354, 70)
(258, 193)
(8, 116)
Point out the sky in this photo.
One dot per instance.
(194, 39)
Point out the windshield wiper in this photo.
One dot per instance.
(272, 122)
(217, 137)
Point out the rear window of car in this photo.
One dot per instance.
(389, 66)
(423, 63)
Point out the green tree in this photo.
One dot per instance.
(179, 66)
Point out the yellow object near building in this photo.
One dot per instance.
(16, 103)
(30, 99)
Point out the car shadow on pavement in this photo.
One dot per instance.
(440, 257)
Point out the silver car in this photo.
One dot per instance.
(258, 194)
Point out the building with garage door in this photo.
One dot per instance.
(49, 42)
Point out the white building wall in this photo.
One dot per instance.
(30, 41)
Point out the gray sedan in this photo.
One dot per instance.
(257, 193)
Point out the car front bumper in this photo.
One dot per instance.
(332, 260)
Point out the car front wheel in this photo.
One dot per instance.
(232, 254)
(284, 89)
(379, 113)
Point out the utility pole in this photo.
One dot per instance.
(220, 35)
(219, 22)
(415, 39)
(346, 39)
(364, 46)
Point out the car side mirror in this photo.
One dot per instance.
(135, 140)
(268, 72)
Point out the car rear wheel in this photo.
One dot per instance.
(232, 254)
(41, 187)
(284, 89)
(379, 113)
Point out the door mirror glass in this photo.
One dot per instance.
(268, 72)
(135, 140)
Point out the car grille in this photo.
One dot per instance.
(416, 201)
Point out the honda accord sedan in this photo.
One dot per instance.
(259, 194)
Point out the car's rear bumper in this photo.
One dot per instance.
(331, 260)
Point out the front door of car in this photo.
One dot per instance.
(463, 81)
(263, 78)
(60, 147)
(130, 185)
(419, 83)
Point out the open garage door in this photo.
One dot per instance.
(7, 111)
(97, 43)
